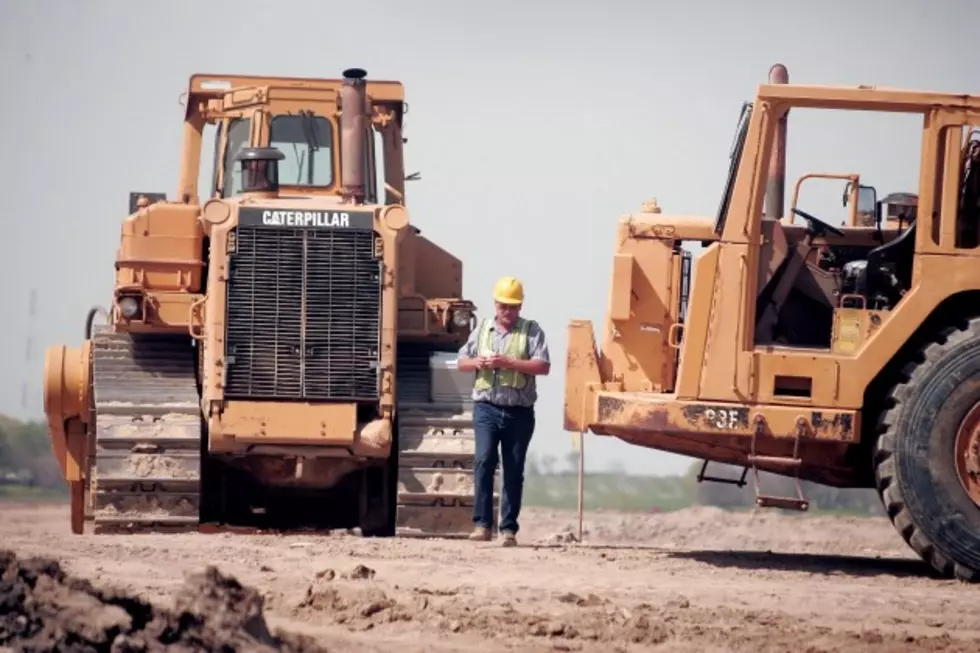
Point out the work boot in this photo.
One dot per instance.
(480, 534)
(509, 539)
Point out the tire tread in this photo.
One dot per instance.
(912, 374)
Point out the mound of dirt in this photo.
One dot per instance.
(44, 609)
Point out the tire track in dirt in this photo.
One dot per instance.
(698, 579)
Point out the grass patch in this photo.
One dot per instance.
(608, 491)
(27, 493)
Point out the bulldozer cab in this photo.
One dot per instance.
(305, 139)
(300, 118)
(807, 273)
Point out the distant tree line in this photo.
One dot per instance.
(26, 457)
(822, 497)
(551, 482)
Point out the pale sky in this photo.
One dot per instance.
(530, 126)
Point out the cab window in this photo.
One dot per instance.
(238, 131)
(306, 140)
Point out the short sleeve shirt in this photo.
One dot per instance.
(537, 349)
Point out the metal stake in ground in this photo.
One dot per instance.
(581, 480)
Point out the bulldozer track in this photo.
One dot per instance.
(436, 447)
(146, 467)
(436, 452)
(146, 472)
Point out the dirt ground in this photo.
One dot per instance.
(695, 580)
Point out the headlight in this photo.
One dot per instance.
(129, 307)
(462, 318)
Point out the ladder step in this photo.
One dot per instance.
(779, 461)
(786, 462)
(702, 476)
(787, 503)
(730, 481)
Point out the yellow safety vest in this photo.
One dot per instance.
(516, 348)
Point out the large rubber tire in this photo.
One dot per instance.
(915, 467)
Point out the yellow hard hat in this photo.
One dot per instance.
(509, 291)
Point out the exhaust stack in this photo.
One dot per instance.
(260, 170)
(776, 185)
(353, 132)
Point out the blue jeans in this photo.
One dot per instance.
(510, 428)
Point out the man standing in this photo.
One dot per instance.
(507, 353)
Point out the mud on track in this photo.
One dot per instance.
(695, 580)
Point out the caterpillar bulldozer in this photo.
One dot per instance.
(844, 355)
(280, 356)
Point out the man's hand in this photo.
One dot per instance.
(498, 362)
(481, 362)
(493, 362)
(472, 364)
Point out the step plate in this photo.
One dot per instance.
(436, 449)
(436, 452)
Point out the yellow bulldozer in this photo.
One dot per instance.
(843, 355)
(282, 355)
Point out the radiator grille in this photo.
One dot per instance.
(303, 315)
